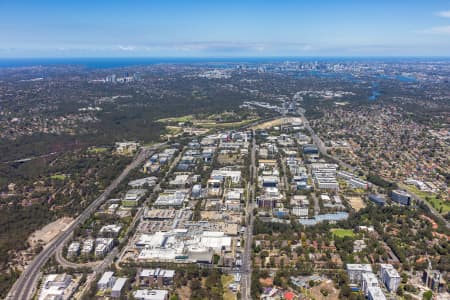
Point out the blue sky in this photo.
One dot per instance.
(169, 28)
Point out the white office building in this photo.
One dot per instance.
(74, 249)
(375, 293)
(88, 246)
(55, 286)
(368, 280)
(227, 172)
(116, 290)
(326, 183)
(106, 281)
(301, 212)
(171, 198)
(103, 246)
(355, 271)
(147, 181)
(111, 230)
(358, 183)
(151, 295)
(390, 277)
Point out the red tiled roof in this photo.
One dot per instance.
(289, 295)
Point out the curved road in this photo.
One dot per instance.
(24, 286)
(68, 264)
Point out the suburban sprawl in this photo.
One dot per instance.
(269, 180)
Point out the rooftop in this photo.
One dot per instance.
(359, 267)
(151, 294)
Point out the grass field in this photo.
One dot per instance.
(276, 122)
(174, 130)
(438, 204)
(207, 122)
(97, 149)
(185, 118)
(58, 177)
(149, 144)
(226, 280)
(341, 233)
(210, 124)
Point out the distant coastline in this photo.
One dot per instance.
(119, 62)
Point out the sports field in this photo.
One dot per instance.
(341, 233)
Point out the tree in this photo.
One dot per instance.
(345, 292)
(427, 295)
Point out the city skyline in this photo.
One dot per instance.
(231, 29)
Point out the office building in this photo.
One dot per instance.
(106, 281)
(355, 271)
(132, 197)
(156, 277)
(434, 280)
(326, 183)
(88, 246)
(143, 182)
(151, 295)
(55, 286)
(103, 246)
(111, 231)
(269, 181)
(375, 293)
(390, 277)
(369, 280)
(310, 149)
(377, 199)
(196, 192)
(227, 173)
(171, 198)
(74, 249)
(401, 197)
(116, 290)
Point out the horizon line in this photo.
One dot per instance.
(225, 57)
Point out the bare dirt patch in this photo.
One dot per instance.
(356, 202)
(184, 293)
(49, 232)
(331, 292)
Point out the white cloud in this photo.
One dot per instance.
(126, 48)
(215, 47)
(438, 30)
(444, 14)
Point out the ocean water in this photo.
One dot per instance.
(115, 62)
(118, 62)
(94, 63)
(375, 93)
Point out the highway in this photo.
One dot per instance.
(246, 267)
(25, 285)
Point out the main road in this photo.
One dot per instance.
(246, 267)
(25, 285)
(319, 143)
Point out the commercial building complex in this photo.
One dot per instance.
(56, 286)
